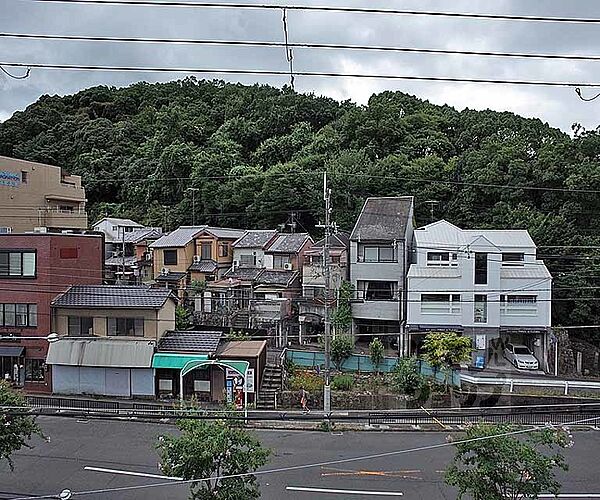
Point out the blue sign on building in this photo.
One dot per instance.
(9, 179)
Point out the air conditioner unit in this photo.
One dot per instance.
(197, 259)
(288, 266)
(164, 270)
(5, 230)
(40, 229)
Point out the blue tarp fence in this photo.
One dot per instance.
(362, 363)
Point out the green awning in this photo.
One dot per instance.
(189, 362)
(176, 361)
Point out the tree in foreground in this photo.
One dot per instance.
(213, 450)
(15, 430)
(507, 466)
(376, 351)
(341, 349)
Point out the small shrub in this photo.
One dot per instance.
(406, 378)
(341, 349)
(376, 353)
(342, 382)
(290, 367)
(327, 426)
(310, 382)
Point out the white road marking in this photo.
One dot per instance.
(346, 492)
(131, 473)
(570, 495)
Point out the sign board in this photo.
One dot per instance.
(479, 362)
(230, 373)
(250, 380)
(480, 341)
(229, 386)
(10, 179)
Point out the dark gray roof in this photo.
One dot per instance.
(143, 234)
(190, 341)
(383, 219)
(113, 296)
(244, 273)
(204, 266)
(178, 238)
(338, 240)
(255, 238)
(288, 243)
(170, 277)
(277, 277)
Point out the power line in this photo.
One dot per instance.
(324, 8)
(329, 74)
(325, 463)
(289, 45)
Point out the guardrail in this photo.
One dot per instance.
(532, 382)
(518, 416)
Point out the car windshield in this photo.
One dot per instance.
(522, 350)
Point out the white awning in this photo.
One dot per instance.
(101, 352)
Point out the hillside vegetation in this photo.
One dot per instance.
(257, 153)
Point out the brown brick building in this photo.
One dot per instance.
(35, 195)
(34, 269)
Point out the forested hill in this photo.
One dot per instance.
(256, 153)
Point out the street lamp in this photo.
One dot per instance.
(193, 190)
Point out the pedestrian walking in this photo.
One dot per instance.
(304, 400)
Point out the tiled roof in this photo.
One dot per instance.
(338, 240)
(225, 232)
(244, 273)
(178, 238)
(204, 266)
(288, 243)
(143, 234)
(118, 261)
(277, 277)
(255, 238)
(113, 296)
(190, 341)
(383, 219)
(170, 277)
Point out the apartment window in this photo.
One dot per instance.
(206, 251)
(441, 259)
(126, 327)
(18, 315)
(5, 229)
(17, 263)
(480, 309)
(247, 260)
(439, 303)
(129, 229)
(377, 253)
(80, 326)
(280, 260)
(34, 370)
(481, 268)
(66, 209)
(518, 305)
(69, 253)
(24, 176)
(378, 290)
(170, 257)
(513, 259)
(223, 249)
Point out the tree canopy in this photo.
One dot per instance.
(256, 153)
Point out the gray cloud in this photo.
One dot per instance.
(558, 106)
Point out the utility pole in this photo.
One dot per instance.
(193, 190)
(432, 204)
(327, 269)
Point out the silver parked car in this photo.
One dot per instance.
(521, 357)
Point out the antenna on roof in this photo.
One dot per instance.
(432, 205)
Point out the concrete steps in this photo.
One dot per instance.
(271, 384)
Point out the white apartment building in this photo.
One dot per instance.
(487, 284)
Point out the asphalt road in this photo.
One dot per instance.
(52, 466)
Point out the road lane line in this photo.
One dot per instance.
(570, 495)
(131, 473)
(346, 492)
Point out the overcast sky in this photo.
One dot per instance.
(560, 107)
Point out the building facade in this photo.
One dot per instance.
(39, 197)
(487, 284)
(34, 269)
(379, 256)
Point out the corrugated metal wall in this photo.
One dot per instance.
(123, 382)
